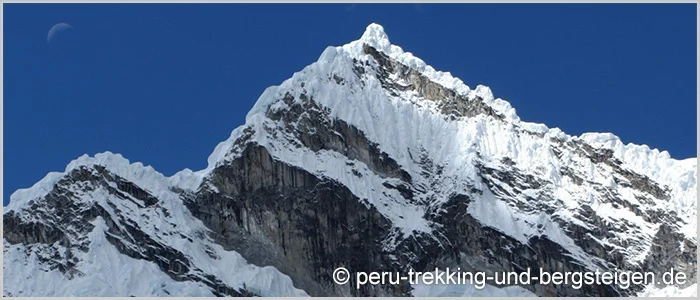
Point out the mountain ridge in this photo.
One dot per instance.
(375, 36)
(463, 148)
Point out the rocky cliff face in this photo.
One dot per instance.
(367, 159)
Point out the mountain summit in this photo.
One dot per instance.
(371, 160)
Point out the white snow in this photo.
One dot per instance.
(670, 291)
(418, 128)
(144, 176)
(407, 127)
(110, 273)
(107, 273)
(678, 175)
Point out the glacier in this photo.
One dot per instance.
(430, 151)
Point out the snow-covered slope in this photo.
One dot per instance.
(369, 134)
(99, 205)
(417, 123)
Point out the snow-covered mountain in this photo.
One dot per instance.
(367, 159)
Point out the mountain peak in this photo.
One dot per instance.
(376, 37)
(367, 135)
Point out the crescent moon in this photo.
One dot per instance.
(56, 29)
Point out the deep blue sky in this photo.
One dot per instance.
(164, 83)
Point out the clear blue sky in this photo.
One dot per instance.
(163, 84)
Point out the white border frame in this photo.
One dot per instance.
(2, 2)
